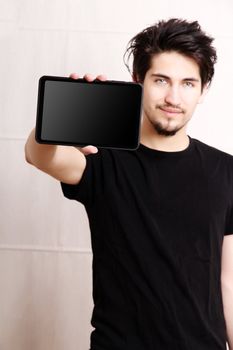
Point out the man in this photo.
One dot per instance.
(161, 217)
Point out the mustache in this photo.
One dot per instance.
(176, 108)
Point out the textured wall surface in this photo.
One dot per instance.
(45, 251)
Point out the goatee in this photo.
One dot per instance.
(162, 131)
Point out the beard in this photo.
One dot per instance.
(163, 130)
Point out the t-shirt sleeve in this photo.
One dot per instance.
(88, 186)
(229, 217)
(229, 222)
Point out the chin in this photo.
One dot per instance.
(165, 131)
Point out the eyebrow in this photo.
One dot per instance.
(159, 75)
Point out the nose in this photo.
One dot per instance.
(173, 96)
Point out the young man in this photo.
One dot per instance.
(161, 217)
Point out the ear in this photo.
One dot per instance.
(203, 94)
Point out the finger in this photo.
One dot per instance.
(74, 76)
(89, 77)
(101, 77)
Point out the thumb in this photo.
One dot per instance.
(88, 150)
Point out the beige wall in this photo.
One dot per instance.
(45, 255)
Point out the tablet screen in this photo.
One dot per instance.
(75, 112)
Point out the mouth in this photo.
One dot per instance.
(170, 111)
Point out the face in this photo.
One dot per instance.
(172, 89)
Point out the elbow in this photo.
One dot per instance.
(26, 155)
(27, 159)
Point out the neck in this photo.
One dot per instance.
(150, 138)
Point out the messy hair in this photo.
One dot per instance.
(186, 38)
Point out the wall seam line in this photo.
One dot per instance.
(44, 249)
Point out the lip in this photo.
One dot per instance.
(170, 111)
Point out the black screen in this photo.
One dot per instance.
(103, 114)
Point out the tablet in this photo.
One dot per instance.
(80, 113)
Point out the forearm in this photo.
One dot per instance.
(227, 295)
(38, 154)
(64, 163)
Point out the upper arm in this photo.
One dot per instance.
(227, 260)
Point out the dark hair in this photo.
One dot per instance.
(175, 34)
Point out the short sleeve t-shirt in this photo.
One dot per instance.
(157, 222)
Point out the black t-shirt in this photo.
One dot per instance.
(157, 222)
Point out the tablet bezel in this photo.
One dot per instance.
(40, 102)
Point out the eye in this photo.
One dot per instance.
(188, 84)
(160, 81)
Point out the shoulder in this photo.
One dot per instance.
(211, 151)
(109, 155)
(107, 160)
(217, 163)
